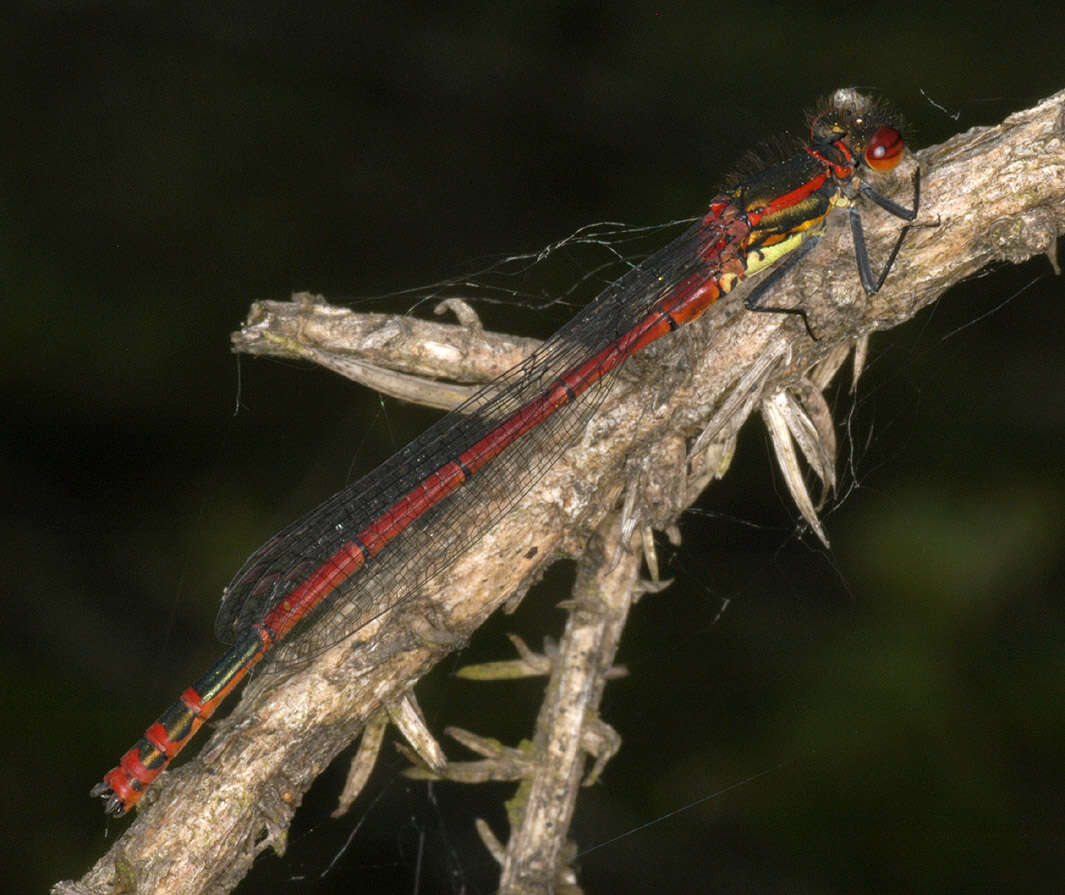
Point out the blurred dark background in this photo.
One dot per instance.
(164, 166)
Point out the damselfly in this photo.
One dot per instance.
(372, 545)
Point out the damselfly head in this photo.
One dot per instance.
(870, 127)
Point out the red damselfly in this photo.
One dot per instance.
(373, 544)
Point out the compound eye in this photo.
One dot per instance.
(884, 150)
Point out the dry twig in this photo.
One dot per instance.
(999, 196)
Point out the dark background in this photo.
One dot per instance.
(165, 165)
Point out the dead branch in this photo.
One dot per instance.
(998, 194)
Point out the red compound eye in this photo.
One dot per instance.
(884, 150)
